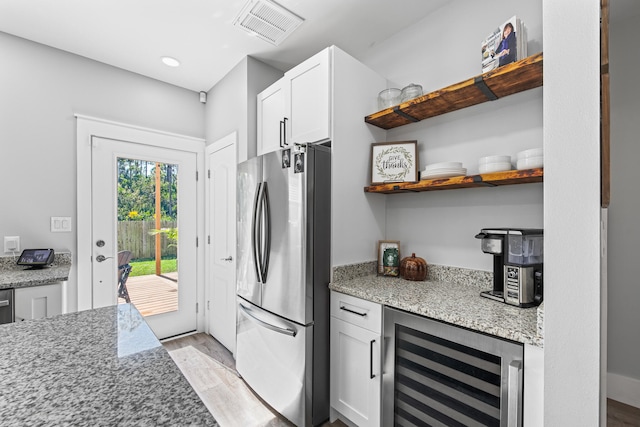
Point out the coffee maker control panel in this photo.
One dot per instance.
(512, 285)
(519, 285)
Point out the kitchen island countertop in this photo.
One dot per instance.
(97, 367)
(459, 304)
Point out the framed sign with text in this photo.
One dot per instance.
(394, 162)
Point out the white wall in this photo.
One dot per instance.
(232, 104)
(441, 50)
(624, 233)
(41, 90)
(572, 212)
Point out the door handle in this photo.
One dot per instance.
(281, 134)
(229, 258)
(4, 303)
(371, 374)
(101, 258)
(284, 139)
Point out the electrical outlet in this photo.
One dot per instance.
(11, 244)
(60, 224)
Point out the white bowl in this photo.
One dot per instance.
(526, 154)
(495, 167)
(494, 159)
(530, 163)
(442, 165)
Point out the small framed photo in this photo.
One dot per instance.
(389, 258)
(286, 158)
(394, 162)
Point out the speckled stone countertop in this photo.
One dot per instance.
(16, 276)
(451, 295)
(101, 367)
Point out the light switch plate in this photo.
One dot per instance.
(11, 244)
(60, 224)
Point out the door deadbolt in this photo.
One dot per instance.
(100, 243)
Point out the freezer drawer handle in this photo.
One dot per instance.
(4, 303)
(342, 307)
(514, 405)
(267, 325)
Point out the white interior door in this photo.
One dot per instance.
(165, 319)
(221, 265)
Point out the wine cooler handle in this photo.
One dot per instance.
(514, 405)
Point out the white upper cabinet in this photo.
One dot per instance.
(271, 118)
(309, 99)
(296, 108)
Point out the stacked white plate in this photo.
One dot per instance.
(529, 159)
(490, 164)
(443, 170)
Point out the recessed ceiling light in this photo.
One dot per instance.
(171, 62)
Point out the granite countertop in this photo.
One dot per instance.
(16, 276)
(99, 367)
(457, 302)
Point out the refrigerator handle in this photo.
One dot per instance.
(255, 236)
(267, 234)
(286, 331)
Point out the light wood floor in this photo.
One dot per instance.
(153, 294)
(621, 415)
(210, 368)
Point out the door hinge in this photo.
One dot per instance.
(209, 173)
(196, 175)
(209, 239)
(208, 305)
(197, 243)
(196, 307)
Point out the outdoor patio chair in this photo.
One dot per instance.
(124, 268)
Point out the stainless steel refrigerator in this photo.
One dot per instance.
(283, 273)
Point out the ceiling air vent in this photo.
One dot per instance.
(268, 20)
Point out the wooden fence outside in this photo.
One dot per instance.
(134, 236)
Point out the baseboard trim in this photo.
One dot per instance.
(623, 389)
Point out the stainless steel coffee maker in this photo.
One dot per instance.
(517, 264)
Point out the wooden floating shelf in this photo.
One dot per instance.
(494, 179)
(504, 81)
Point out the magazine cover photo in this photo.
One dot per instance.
(501, 46)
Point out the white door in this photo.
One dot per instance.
(221, 265)
(167, 300)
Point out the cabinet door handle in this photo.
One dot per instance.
(342, 307)
(371, 374)
(285, 131)
(281, 133)
(4, 303)
(514, 404)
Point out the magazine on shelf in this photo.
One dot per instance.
(504, 45)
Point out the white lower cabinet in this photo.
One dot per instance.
(356, 350)
(37, 302)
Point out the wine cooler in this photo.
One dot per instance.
(436, 374)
